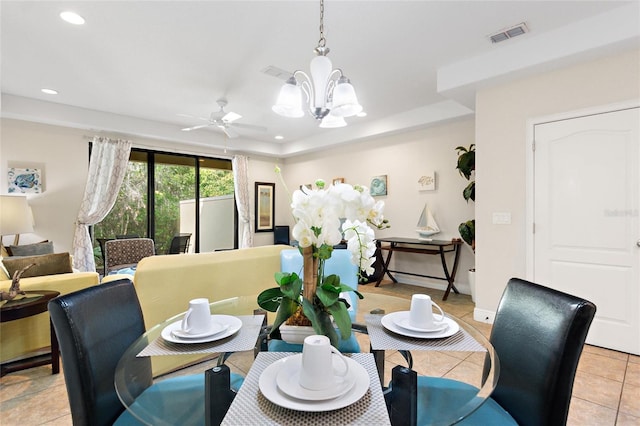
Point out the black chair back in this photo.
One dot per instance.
(94, 327)
(281, 235)
(179, 243)
(538, 334)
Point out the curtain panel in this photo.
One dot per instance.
(240, 165)
(107, 168)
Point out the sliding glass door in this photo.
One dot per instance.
(158, 199)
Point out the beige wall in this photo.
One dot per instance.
(502, 114)
(62, 154)
(404, 158)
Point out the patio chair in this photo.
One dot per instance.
(125, 254)
(179, 243)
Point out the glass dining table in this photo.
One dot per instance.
(155, 358)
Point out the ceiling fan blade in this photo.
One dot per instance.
(250, 127)
(231, 117)
(192, 116)
(200, 126)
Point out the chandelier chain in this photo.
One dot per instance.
(322, 42)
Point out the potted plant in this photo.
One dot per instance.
(316, 301)
(466, 167)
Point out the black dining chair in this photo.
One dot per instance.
(95, 326)
(538, 334)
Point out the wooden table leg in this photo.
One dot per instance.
(450, 278)
(385, 266)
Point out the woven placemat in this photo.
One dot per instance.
(244, 340)
(383, 339)
(250, 407)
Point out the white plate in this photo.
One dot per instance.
(215, 328)
(288, 380)
(406, 323)
(233, 325)
(389, 322)
(269, 389)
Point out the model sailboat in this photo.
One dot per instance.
(427, 225)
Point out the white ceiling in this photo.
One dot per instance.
(137, 67)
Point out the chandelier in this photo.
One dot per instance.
(330, 95)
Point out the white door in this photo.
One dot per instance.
(586, 226)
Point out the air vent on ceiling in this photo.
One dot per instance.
(508, 33)
(277, 72)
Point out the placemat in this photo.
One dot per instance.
(383, 339)
(250, 407)
(244, 340)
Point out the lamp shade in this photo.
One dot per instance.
(289, 103)
(331, 121)
(345, 101)
(15, 215)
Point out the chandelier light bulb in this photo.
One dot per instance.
(289, 103)
(331, 121)
(345, 101)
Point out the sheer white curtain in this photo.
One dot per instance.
(107, 167)
(240, 165)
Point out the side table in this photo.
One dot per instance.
(34, 302)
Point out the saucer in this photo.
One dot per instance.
(389, 322)
(232, 323)
(270, 390)
(405, 322)
(215, 328)
(288, 381)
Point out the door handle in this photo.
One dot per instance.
(638, 243)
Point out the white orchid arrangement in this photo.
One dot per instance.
(318, 214)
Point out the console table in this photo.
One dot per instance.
(414, 245)
(35, 302)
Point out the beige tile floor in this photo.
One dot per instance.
(606, 390)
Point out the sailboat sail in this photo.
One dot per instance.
(427, 225)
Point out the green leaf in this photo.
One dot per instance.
(341, 318)
(287, 308)
(324, 252)
(469, 192)
(332, 280)
(328, 294)
(468, 231)
(270, 299)
(321, 321)
(344, 287)
(289, 283)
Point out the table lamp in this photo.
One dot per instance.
(15, 216)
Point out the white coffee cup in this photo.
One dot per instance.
(197, 320)
(421, 312)
(316, 372)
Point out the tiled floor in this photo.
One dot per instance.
(606, 390)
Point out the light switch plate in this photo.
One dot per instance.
(502, 218)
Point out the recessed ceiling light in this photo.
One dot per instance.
(361, 114)
(72, 18)
(279, 137)
(49, 91)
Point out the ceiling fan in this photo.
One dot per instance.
(224, 121)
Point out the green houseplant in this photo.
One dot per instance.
(466, 167)
(316, 301)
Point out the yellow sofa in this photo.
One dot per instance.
(166, 283)
(24, 337)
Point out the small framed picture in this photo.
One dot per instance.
(265, 205)
(427, 182)
(26, 181)
(378, 186)
(338, 180)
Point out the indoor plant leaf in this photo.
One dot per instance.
(285, 310)
(341, 318)
(270, 299)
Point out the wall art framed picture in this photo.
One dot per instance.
(427, 182)
(28, 181)
(378, 186)
(265, 206)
